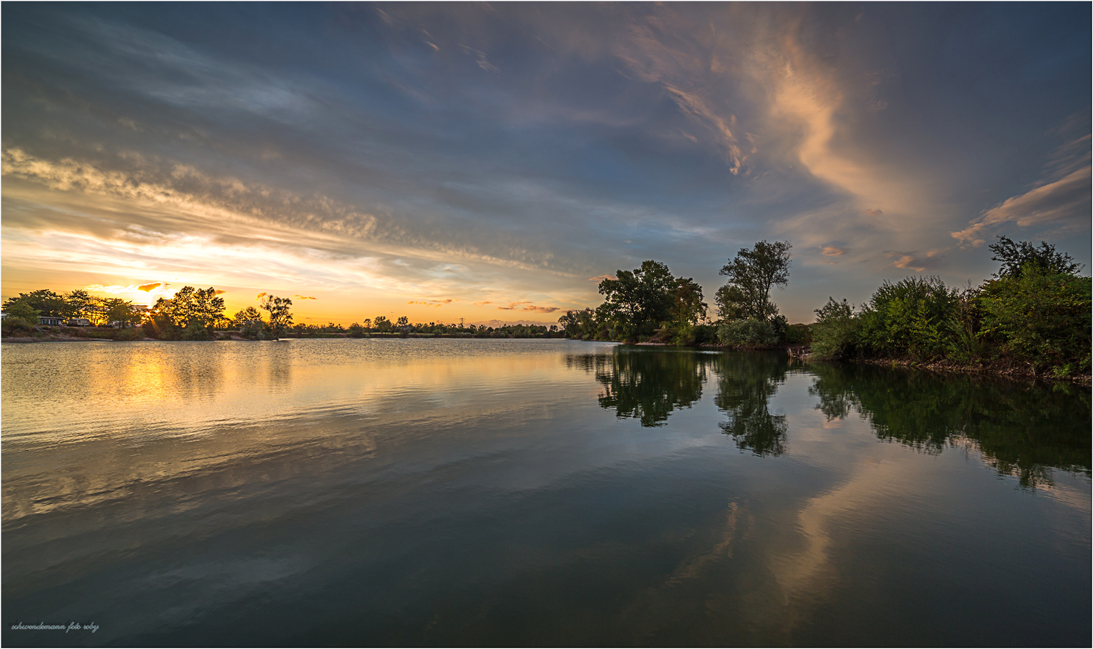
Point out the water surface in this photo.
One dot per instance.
(517, 492)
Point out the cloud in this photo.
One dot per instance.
(905, 262)
(260, 295)
(872, 212)
(600, 278)
(831, 251)
(434, 303)
(526, 305)
(484, 303)
(1065, 201)
(219, 292)
(303, 297)
(149, 287)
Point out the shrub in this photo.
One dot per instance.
(836, 332)
(747, 333)
(1040, 318)
(16, 326)
(195, 330)
(910, 318)
(134, 333)
(797, 334)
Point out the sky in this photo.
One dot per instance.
(493, 162)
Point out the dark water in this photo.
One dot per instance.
(461, 492)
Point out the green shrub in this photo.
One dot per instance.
(195, 330)
(797, 334)
(747, 333)
(16, 326)
(1039, 318)
(836, 332)
(909, 318)
(133, 333)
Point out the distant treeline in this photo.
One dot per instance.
(1033, 315)
(198, 314)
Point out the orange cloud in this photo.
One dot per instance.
(219, 292)
(876, 212)
(526, 305)
(260, 295)
(148, 287)
(905, 262)
(600, 278)
(831, 251)
(303, 297)
(482, 303)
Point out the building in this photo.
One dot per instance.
(49, 320)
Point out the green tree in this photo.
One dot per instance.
(637, 301)
(382, 324)
(1017, 257)
(22, 309)
(45, 302)
(280, 317)
(753, 272)
(120, 311)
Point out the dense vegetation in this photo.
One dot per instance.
(1033, 315)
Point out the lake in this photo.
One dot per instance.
(533, 492)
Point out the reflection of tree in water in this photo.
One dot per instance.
(647, 385)
(1021, 430)
(746, 382)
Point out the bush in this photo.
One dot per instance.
(196, 330)
(747, 333)
(836, 332)
(134, 333)
(910, 318)
(797, 334)
(16, 326)
(1039, 318)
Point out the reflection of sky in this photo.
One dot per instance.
(373, 156)
(480, 488)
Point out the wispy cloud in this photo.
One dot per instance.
(1064, 202)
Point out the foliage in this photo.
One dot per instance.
(355, 330)
(835, 334)
(22, 309)
(1039, 317)
(747, 333)
(637, 301)
(383, 325)
(280, 318)
(171, 317)
(45, 302)
(120, 311)
(909, 318)
(752, 273)
(15, 325)
(1017, 257)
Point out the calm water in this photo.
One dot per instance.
(440, 492)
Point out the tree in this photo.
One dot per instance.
(45, 302)
(81, 304)
(22, 309)
(367, 324)
(687, 307)
(1016, 257)
(752, 273)
(637, 301)
(382, 324)
(280, 318)
(120, 311)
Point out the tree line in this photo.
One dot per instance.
(1031, 317)
(1034, 313)
(650, 304)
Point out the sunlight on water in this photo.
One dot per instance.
(514, 492)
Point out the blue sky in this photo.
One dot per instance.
(488, 162)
